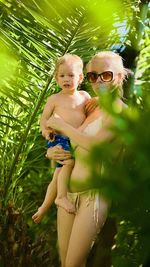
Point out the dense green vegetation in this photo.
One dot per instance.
(32, 35)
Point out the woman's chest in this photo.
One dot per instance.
(93, 123)
(93, 127)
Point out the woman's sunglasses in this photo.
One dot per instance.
(106, 76)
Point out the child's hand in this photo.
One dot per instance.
(91, 105)
(46, 133)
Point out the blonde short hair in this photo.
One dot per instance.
(69, 58)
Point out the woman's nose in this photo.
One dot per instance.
(99, 80)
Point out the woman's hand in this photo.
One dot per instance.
(91, 105)
(55, 122)
(58, 154)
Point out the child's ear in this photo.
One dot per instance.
(56, 76)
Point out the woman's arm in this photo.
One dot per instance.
(80, 138)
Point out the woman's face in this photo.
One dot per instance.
(103, 73)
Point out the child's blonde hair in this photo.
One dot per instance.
(69, 58)
(124, 72)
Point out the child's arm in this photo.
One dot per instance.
(47, 112)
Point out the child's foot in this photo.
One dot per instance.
(65, 204)
(38, 216)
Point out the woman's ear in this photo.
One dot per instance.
(120, 78)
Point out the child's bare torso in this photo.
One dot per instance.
(71, 108)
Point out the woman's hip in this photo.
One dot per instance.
(90, 200)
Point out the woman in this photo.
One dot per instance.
(77, 232)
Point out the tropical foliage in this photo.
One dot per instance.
(33, 34)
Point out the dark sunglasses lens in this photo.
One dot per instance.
(92, 77)
(107, 76)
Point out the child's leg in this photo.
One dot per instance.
(49, 198)
(62, 187)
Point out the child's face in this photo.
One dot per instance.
(103, 72)
(69, 76)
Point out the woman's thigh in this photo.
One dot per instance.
(64, 227)
(88, 221)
